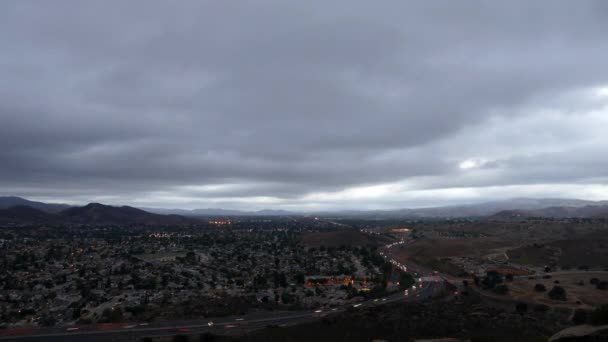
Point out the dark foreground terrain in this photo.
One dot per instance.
(463, 317)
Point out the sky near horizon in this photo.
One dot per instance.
(303, 105)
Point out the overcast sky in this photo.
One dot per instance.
(303, 104)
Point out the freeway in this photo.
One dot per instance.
(227, 325)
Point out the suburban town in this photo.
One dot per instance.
(108, 274)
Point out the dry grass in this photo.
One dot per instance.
(522, 289)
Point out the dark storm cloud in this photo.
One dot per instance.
(145, 100)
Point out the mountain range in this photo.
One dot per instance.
(20, 210)
(588, 211)
(11, 201)
(91, 214)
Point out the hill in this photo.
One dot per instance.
(588, 211)
(12, 201)
(27, 215)
(91, 214)
(96, 213)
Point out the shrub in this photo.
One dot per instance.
(541, 308)
(580, 316)
(599, 316)
(491, 279)
(602, 285)
(557, 293)
(594, 281)
(540, 288)
(521, 307)
(406, 281)
(501, 289)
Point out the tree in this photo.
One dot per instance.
(557, 293)
(540, 288)
(287, 298)
(112, 315)
(491, 279)
(406, 281)
(299, 278)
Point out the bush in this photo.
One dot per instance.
(594, 281)
(599, 316)
(521, 307)
(557, 293)
(112, 315)
(491, 279)
(541, 308)
(406, 281)
(501, 289)
(580, 316)
(602, 285)
(540, 288)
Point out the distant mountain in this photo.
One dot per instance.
(95, 213)
(211, 212)
(11, 201)
(458, 211)
(92, 214)
(509, 209)
(588, 211)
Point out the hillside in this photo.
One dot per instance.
(93, 214)
(24, 214)
(589, 211)
(12, 201)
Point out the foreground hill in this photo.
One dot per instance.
(93, 214)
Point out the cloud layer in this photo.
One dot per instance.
(316, 104)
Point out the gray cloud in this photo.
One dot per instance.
(201, 103)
